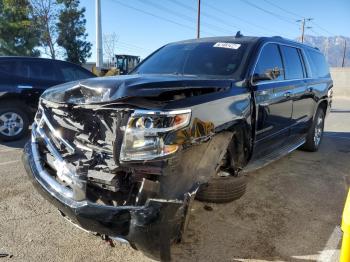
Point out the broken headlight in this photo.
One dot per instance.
(145, 132)
(77, 93)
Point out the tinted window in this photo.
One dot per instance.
(7, 67)
(292, 63)
(270, 58)
(210, 59)
(318, 64)
(72, 73)
(43, 70)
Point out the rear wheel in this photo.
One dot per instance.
(222, 189)
(14, 122)
(315, 134)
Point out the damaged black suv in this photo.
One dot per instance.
(125, 156)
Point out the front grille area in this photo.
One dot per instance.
(79, 145)
(83, 132)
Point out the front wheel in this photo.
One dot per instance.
(222, 189)
(315, 134)
(14, 122)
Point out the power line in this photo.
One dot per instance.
(239, 18)
(283, 9)
(185, 17)
(325, 30)
(135, 46)
(298, 16)
(268, 12)
(216, 19)
(153, 15)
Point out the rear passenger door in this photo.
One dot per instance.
(273, 102)
(296, 74)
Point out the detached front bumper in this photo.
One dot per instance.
(150, 228)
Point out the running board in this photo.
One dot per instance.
(275, 155)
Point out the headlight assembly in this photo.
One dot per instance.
(145, 131)
(78, 94)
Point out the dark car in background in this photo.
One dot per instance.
(22, 81)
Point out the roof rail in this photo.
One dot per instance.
(316, 48)
(277, 36)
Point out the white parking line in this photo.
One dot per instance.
(336, 136)
(331, 248)
(9, 150)
(9, 162)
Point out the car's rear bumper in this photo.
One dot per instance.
(151, 228)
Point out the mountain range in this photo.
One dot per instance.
(332, 47)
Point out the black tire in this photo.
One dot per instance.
(312, 144)
(17, 108)
(222, 189)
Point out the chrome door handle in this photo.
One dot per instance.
(287, 94)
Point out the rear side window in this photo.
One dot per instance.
(40, 70)
(270, 58)
(318, 64)
(7, 67)
(72, 73)
(292, 63)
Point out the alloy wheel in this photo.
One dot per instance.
(318, 130)
(11, 124)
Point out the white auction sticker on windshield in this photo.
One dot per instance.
(227, 45)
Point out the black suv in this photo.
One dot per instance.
(125, 156)
(22, 81)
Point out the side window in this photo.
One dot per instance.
(72, 73)
(318, 64)
(22, 69)
(292, 63)
(7, 67)
(42, 70)
(270, 59)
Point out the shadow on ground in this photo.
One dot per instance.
(15, 144)
(289, 212)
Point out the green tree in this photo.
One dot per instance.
(18, 35)
(45, 14)
(72, 32)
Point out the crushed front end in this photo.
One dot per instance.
(120, 171)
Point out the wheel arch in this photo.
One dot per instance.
(323, 104)
(12, 98)
(240, 146)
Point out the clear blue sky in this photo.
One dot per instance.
(144, 25)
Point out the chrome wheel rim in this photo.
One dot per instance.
(11, 124)
(318, 130)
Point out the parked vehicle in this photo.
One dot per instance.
(125, 156)
(22, 81)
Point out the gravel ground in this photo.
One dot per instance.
(291, 212)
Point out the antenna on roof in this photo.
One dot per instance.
(238, 34)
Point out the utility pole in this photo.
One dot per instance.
(99, 53)
(199, 19)
(343, 63)
(303, 22)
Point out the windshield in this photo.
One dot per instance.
(220, 59)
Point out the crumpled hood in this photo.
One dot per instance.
(110, 89)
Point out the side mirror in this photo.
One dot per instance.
(270, 74)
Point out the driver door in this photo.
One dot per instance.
(273, 97)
